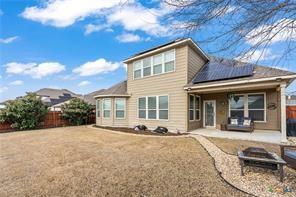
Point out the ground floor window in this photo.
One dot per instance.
(153, 107)
(106, 108)
(120, 108)
(98, 107)
(194, 107)
(251, 105)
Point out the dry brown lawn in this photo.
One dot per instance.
(81, 161)
(231, 146)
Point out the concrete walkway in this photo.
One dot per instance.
(258, 135)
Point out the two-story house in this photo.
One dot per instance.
(178, 86)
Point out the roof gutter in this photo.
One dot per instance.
(166, 47)
(241, 82)
(111, 95)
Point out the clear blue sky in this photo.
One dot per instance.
(53, 44)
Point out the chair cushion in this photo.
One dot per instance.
(233, 121)
(247, 122)
(291, 154)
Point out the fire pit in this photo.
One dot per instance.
(259, 157)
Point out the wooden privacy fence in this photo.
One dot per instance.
(291, 112)
(52, 119)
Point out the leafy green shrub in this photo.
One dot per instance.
(76, 111)
(24, 113)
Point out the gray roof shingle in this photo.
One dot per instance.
(119, 89)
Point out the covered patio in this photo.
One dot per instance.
(269, 136)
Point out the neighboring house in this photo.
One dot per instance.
(55, 98)
(178, 86)
(291, 100)
(89, 98)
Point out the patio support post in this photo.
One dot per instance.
(283, 112)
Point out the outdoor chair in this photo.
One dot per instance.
(240, 124)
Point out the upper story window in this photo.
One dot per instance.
(137, 69)
(154, 65)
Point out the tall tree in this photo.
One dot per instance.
(240, 27)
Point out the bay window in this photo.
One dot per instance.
(98, 108)
(248, 105)
(153, 107)
(106, 108)
(120, 108)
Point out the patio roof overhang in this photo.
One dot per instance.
(241, 85)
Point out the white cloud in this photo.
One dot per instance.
(63, 13)
(3, 89)
(90, 28)
(131, 15)
(281, 30)
(96, 67)
(128, 37)
(8, 40)
(136, 17)
(258, 55)
(33, 69)
(84, 83)
(16, 83)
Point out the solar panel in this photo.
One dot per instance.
(214, 71)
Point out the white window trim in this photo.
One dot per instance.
(162, 66)
(103, 110)
(194, 108)
(120, 109)
(98, 108)
(157, 108)
(246, 108)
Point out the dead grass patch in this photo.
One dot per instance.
(79, 161)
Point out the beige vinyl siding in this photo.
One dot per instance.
(112, 121)
(170, 84)
(195, 63)
(272, 115)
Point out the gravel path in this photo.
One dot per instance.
(255, 181)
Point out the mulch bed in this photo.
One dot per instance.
(146, 132)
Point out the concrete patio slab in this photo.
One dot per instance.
(257, 135)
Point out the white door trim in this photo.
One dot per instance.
(204, 113)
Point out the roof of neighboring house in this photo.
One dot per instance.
(258, 73)
(89, 98)
(119, 89)
(168, 44)
(55, 96)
